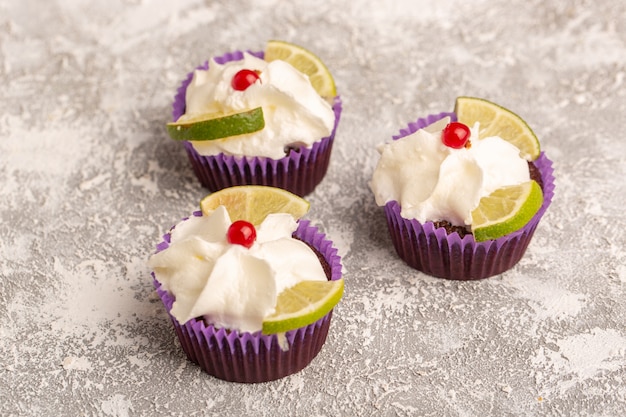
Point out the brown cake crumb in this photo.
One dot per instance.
(288, 149)
(535, 174)
(450, 228)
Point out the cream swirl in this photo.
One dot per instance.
(434, 182)
(295, 114)
(231, 286)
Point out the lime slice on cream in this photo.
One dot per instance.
(217, 126)
(304, 61)
(495, 120)
(253, 203)
(506, 210)
(303, 304)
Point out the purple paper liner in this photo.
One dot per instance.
(253, 357)
(299, 172)
(434, 252)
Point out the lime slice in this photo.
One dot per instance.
(254, 202)
(506, 210)
(495, 120)
(305, 62)
(303, 304)
(212, 126)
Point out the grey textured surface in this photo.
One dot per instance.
(89, 181)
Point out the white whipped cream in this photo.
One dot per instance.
(432, 181)
(295, 114)
(231, 286)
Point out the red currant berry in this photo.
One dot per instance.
(244, 79)
(455, 135)
(241, 233)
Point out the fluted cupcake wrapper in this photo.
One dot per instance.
(437, 253)
(299, 172)
(254, 357)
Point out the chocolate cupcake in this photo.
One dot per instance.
(429, 192)
(220, 287)
(291, 151)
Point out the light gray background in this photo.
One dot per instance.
(89, 181)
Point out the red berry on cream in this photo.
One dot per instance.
(455, 135)
(244, 79)
(241, 233)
